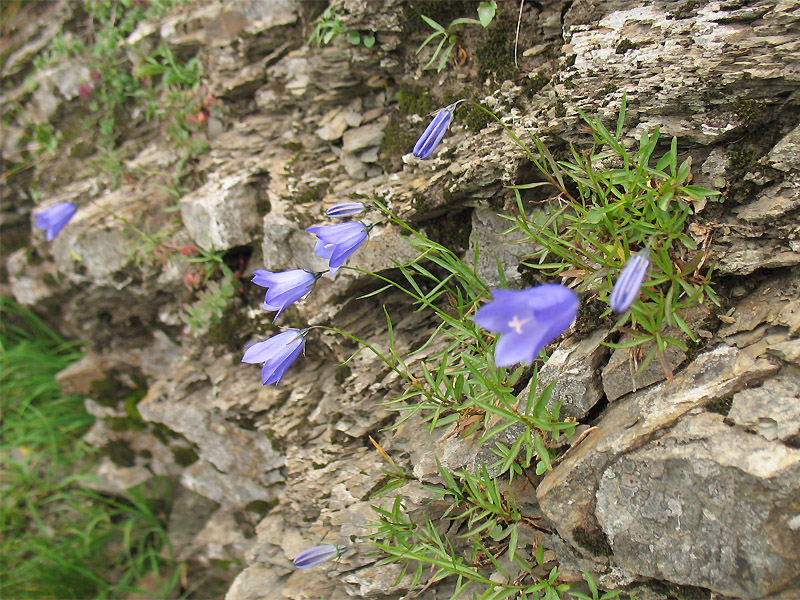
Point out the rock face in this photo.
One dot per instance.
(705, 482)
(693, 482)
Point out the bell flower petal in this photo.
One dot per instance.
(345, 209)
(285, 287)
(337, 242)
(434, 132)
(53, 219)
(629, 284)
(527, 320)
(277, 353)
(312, 557)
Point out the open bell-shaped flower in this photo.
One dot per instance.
(285, 287)
(53, 219)
(629, 284)
(337, 242)
(277, 353)
(527, 320)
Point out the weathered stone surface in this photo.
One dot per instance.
(300, 129)
(222, 214)
(567, 494)
(487, 236)
(574, 368)
(773, 409)
(689, 507)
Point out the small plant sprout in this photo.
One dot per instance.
(486, 12)
(527, 320)
(434, 132)
(53, 219)
(337, 242)
(311, 557)
(629, 283)
(277, 353)
(345, 210)
(286, 287)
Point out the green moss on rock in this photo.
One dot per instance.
(414, 99)
(496, 55)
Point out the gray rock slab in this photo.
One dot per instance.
(567, 494)
(487, 236)
(706, 505)
(573, 366)
(223, 213)
(773, 409)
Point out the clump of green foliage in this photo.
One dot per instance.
(329, 25)
(59, 539)
(449, 38)
(611, 202)
(125, 80)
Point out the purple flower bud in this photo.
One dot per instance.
(629, 283)
(53, 219)
(345, 209)
(285, 287)
(312, 557)
(434, 132)
(277, 353)
(337, 242)
(527, 320)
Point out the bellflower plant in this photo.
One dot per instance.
(277, 353)
(434, 132)
(527, 320)
(311, 557)
(345, 209)
(337, 242)
(53, 219)
(284, 288)
(629, 283)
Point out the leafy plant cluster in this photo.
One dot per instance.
(329, 25)
(125, 82)
(58, 538)
(449, 38)
(609, 202)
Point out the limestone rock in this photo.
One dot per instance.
(487, 236)
(573, 366)
(691, 508)
(223, 213)
(773, 409)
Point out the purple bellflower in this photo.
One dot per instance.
(337, 242)
(285, 287)
(434, 132)
(345, 209)
(527, 320)
(53, 219)
(311, 557)
(277, 353)
(629, 284)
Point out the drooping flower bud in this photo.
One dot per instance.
(434, 132)
(312, 557)
(345, 209)
(629, 283)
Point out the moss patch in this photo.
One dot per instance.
(120, 453)
(397, 140)
(624, 46)
(496, 55)
(721, 406)
(593, 540)
(183, 455)
(414, 99)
